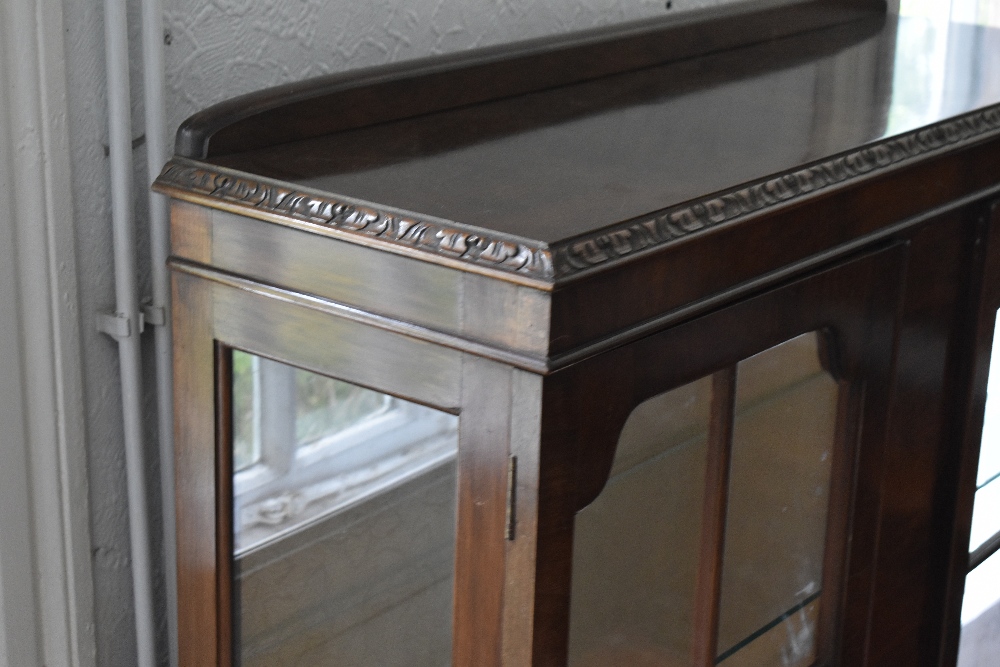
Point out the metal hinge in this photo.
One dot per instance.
(511, 497)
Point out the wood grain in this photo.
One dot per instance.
(705, 617)
(483, 451)
(199, 612)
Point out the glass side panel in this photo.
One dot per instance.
(985, 515)
(989, 453)
(780, 474)
(980, 641)
(344, 522)
(636, 546)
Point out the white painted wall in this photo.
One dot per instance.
(45, 576)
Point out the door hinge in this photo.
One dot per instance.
(511, 497)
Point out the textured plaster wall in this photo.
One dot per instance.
(216, 49)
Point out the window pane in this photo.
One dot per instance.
(636, 546)
(344, 544)
(325, 406)
(779, 489)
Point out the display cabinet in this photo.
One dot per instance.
(655, 345)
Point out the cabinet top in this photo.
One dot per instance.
(560, 159)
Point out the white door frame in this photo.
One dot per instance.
(46, 585)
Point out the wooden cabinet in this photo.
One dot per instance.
(633, 348)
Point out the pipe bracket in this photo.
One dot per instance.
(116, 325)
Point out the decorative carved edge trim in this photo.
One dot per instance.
(628, 238)
(534, 260)
(448, 240)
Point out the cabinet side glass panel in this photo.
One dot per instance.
(980, 638)
(784, 435)
(344, 504)
(635, 547)
(986, 512)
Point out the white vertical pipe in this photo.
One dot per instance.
(154, 88)
(126, 295)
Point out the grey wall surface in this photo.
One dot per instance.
(216, 49)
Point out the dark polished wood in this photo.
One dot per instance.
(482, 526)
(971, 376)
(705, 617)
(224, 504)
(843, 498)
(200, 615)
(557, 164)
(541, 238)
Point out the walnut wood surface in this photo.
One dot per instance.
(228, 628)
(914, 542)
(850, 404)
(971, 377)
(557, 164)
(705, 616)
(552, 186)
(484, 439)
(200, 617)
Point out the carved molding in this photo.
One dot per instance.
(628, 238)
(535, 260)
(273, 197)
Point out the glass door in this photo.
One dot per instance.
(653, 548)
(727, 473)
(342, 519)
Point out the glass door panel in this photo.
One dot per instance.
(662, 543)
(635, 548)
(343, 522)
(776, 523)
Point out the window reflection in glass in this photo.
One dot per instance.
(344, 520)
(246, 441)
(937, 82)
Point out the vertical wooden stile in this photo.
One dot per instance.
(224, 503)
(705, 619)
